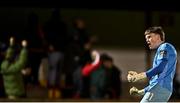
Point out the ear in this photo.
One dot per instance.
(159, 37)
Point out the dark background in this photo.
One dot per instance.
(115, 23)
(93, 4)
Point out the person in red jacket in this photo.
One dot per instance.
(89, 67)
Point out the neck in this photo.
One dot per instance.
(161, 42)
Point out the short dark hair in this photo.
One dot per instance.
(106, 57)
(157, 30)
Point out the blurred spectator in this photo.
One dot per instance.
(82, 83)
(71, 64)
(55, 30)
(85, 67)
(113, 78)
(55, 62)
(43, 72)
(80, 34)
(106, 80)
(77, 53)
(11, 69)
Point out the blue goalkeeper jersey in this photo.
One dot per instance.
(164, 67)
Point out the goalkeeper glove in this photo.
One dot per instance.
(130, 75)
(136, 92)
(136, 77)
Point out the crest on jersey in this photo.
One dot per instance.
(163, 53)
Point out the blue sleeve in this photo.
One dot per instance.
(157, 69)
(161, 60)
(146, 89)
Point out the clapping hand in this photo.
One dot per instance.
(24, 43)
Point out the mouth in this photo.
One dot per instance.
(149, 44)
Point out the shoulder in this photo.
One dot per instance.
(167, 47)
(116, 69)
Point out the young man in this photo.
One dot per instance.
(162, 72)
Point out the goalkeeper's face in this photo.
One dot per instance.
(153, 40)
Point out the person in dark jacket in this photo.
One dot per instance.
(106, 80)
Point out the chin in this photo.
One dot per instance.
(151, 48)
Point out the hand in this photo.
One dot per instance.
(11, 41)
(94, 54)
(136, 92)
(133, 91)
(95, 57)
(132, 72)
(26, 71)
(131, 76)
(24, 43)
(23, 72)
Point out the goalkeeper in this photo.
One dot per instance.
(162, 72)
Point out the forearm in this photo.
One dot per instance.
(22, 59)
(9, 52)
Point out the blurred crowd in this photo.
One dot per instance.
(60, 60)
